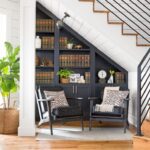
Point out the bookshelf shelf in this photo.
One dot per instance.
(44, 67)
(75, 50)
(74, 67)
(44, 50)
(45, 32)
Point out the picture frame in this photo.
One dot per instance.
(74, 77)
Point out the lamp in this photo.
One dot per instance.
(60, 23)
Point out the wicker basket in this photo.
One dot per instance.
(64, 80)
(9, 121)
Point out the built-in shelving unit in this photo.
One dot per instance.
(83, 58)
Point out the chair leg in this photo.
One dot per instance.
(51, 127)
(82, 124)
(90, 124)
(125, 126)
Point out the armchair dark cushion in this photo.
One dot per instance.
(67, 111)
(118, 112)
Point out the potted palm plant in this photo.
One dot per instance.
(9, 83)
(64, 75)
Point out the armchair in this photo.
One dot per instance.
(118, 114)
(49, 113)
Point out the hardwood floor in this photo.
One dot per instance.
(19, 143)
(13, 142)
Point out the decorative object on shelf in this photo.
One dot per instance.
(102, 74)
(81, 79)
(9, 83)
(64, 75)
(119, 77)
(70, 44)
(38, 42)
(47, 62)
(111, 79)
(60, 23)
(74, 77)
(78, 46)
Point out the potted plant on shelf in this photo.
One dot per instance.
(9, 83)
(64, 75)
(70, 44)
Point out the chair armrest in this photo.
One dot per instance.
(92, 101)
(46, 100)
(76, 101)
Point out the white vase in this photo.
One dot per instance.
(111, 79)
(37, 42)
(69, 45)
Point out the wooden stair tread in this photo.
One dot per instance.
(114, 23)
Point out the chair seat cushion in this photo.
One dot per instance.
(67, 111)
(118, 111)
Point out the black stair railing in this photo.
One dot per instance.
(128, 18)
(143, 91)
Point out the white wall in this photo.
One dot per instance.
(11, 9)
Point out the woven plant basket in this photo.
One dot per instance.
(9, 121)
(64, 80)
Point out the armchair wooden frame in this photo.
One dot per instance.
(46, 115)
(123, 117)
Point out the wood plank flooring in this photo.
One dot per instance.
(13, 142)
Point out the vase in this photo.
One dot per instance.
(69, 45)
(37, 42)
(111, 79)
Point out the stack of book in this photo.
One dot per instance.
(44, 77)
(45, 25)
(74, 60)
(119, 77)
(47, 42)
(63, 42)
(87, 77)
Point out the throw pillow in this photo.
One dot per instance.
(115, 97)
(116, 88)
(59, 98)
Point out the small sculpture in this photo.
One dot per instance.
(111, 78)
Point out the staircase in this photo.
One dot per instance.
(132, 15)
(143, 97)
(142, 140)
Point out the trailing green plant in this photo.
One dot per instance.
(9, 73)
(64, 73)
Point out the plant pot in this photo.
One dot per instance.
(9, 121)
(64, 80)
(69, 45)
